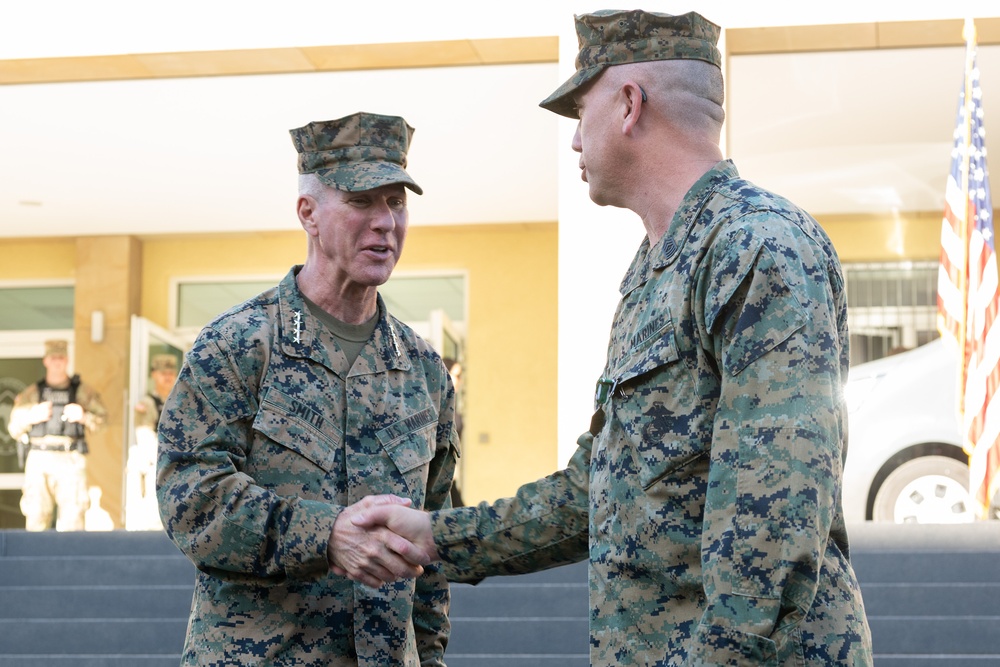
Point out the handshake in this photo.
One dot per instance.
(381, 539)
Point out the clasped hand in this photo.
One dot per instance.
(380, 539)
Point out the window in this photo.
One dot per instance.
(200, 301)
(412, 298)
(36, 308)
(890, 306)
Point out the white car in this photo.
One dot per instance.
(905, 462)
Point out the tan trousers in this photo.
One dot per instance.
(55, 485)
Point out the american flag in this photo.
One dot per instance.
(967, 287)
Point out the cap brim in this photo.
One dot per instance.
(360, 176)
(561, 101)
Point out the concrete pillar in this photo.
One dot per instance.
(108, 275)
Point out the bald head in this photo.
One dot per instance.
(688, 92)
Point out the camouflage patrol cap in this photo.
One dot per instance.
(617, 37)
(55, 348)
(163, 362)
(358, 152)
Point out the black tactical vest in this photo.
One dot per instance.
(55, 425)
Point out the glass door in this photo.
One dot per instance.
(152, 346)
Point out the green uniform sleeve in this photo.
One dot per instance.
(543, 526)
(776, 447)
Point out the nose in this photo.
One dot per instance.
(577, 144)
(384, 218)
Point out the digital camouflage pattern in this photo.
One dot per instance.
(614, 37)
(716, 530)
(358, 152)
(266, 437)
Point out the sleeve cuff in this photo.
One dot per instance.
(304, 545)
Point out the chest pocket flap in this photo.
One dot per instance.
(654, 345)
(410, 441)
(296, 426)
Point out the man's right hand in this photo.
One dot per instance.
(411, 524)
(373, 555)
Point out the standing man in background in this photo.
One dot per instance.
(140, 484)
(53, 417)
(290, 410)
(707, 491)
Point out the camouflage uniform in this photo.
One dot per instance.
(55, 471)
(271, 431)
(266, 437)
(716, 534)
(714, 458)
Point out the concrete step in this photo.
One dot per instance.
(493, 636)
(110, 569)
(495, 597)
(927, 635)
(513, 660)
(50, 543)
(926, 566)
(930, 592)
(90, 660)
(94, 602)
(106, 636)
(934, 599)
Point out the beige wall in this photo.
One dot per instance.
(511, 370)
(212, 255)
(37, 259)
(888, 238)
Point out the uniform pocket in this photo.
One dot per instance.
(296, 427)
(409, 442)
(653, 346)
(654, 406)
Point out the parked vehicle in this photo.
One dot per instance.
(905, 462)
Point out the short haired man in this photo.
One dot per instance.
(713, 464)
(293, 407)
(141, 512)
(54, 416)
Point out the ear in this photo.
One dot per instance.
(634, 99)
(306, 207)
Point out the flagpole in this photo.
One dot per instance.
(969, 34)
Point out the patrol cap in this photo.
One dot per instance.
(617, 37)
(358, 152)
(56, 348)
(163, 362)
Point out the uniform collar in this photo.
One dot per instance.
(302, 335)
(669, 247)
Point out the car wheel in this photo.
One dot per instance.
(928, 489)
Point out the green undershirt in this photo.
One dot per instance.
(350, 337)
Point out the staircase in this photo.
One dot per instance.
(121, 599)
(109, 599)
(932, 593)
(533, 619)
